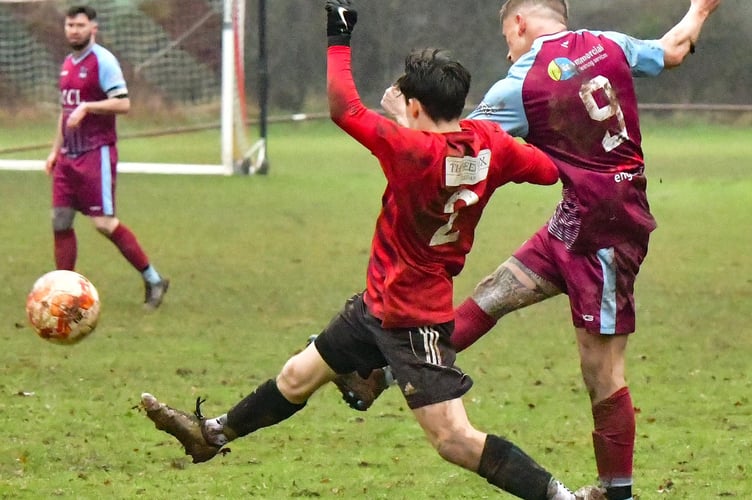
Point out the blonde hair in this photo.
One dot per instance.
(558, 8)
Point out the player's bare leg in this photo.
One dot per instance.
(602, 359)
(494, 458)
(510, 287)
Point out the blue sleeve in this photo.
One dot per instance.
(110, 75)
(645, 57)
(503, 101)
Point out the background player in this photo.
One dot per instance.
(441, 173)
(83, 160)
(572, 95)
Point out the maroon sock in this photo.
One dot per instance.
(128, 245)
(470, 323)
(614, 436)
(66, 249)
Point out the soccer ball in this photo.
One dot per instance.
(63, 307)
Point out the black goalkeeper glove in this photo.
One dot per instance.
(340, 20)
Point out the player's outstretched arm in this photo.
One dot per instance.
(345, 106)
(340, 20)
(680, 40)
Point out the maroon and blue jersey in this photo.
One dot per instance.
(573, 96)
(437, 187)
(95, 75)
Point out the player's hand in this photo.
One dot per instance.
(706, 6)
(49, 165)
(393, 103)
(78, 114)
(340, 17)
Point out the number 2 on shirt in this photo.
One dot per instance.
(446, 233)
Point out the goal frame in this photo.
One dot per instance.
(253, 159)
(236, 155)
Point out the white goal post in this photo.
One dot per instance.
(184, 57)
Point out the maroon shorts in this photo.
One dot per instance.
(600, 284)
(86, 182)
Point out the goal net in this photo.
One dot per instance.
(181, 58)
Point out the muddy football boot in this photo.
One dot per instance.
(358, 392)
(590, 493)
(186, 427)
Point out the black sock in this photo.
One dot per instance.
(505, 465)
(619, 492)
(263, 407)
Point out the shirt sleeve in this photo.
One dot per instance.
(530, 164)
(387, 140)
(503, 104)
(111, 77)
(645, 57)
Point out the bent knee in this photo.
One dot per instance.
(62, 218)
(602, 376)
(105, 225)
(447, 449)
(461, 448)
(295, 382)
(289, 379)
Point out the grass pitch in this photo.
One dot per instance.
(259, 263)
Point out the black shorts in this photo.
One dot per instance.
(421, 358)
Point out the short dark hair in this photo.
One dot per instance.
(82, 9)
(438, 81)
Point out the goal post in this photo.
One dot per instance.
(229, 76)
(237, 154)
(184, 61)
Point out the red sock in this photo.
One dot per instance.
(614, 436)
(470, 323)
(128, 245)
(66, 249)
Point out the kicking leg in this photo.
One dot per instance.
(510, 287)
(270, 403)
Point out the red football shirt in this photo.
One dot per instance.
(437, 187)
